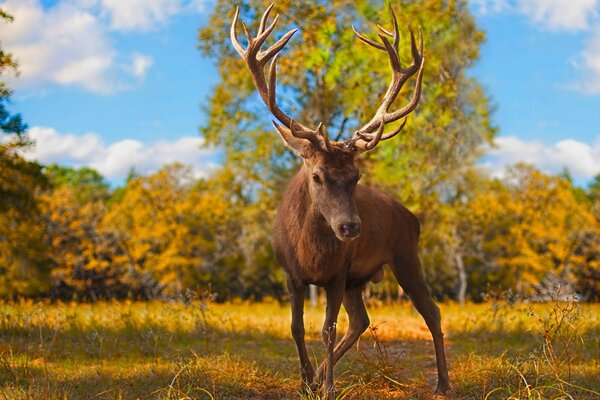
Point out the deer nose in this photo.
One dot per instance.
(350, 230)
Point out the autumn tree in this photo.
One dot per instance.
(526, 231)
(182, 230)
(88, 263)
(588, 274)
(23, 262)
(24, 265)
(326, 75)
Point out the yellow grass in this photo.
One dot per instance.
(162, 350)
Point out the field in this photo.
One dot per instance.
(200, 350)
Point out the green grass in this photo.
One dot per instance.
(161, 350)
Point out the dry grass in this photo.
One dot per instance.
(162, 350)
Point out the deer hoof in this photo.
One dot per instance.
(329, 392)
(442, 389)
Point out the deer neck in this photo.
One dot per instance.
(317, 244)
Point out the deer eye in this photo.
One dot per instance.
(317, 178)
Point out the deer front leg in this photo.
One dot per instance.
(297, 293)
(359, 322)
(335, 294)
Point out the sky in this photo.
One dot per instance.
(116, 84)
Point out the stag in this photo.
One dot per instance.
(331, 231)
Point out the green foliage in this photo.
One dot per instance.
(326, 75)
(88, 184)
(8, 123)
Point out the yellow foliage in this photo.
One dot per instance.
(532, 227)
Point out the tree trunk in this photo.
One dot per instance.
(312, 294)
(462, 278)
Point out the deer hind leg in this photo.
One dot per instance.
(408, 272)
(297, 293)
(359, 322)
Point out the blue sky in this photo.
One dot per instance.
(119, 83)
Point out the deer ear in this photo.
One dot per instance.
(301, 146)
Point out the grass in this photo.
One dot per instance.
(163, 350)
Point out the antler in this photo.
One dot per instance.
(371, 134)
(256, 61)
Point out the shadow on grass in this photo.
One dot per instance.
(180, 357)
(154, 362)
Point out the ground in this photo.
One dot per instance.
(202, 350)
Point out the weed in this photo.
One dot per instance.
(180, 350)
(547, 371)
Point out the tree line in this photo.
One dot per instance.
(66, 233)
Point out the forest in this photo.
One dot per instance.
(68, 233)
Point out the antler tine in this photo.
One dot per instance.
(371, 134)
(395, 131)
(392, 52)
(233, 34)
(369, 144)
(272, 83)
(396, 33)
(414, 101)
(367, 40)
(396, 30)
(323, 133)
(318, 137)
(263, 20)
(276, 48)
(305, 134)
(248, 35)
(416, 52)
(367, 138)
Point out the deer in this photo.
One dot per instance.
(331, 231)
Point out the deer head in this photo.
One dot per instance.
(329, 166)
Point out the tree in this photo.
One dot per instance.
(88, 262)
(594, 189)
(588, 273)
(177, 228)
(89, 184)
(525, 231)
(325, 75)
(11, 124)
(24, 265)
(23, 262)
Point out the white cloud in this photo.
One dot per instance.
(581, 159)
(138, 14)
(570, 15)
(63, 45)
(140, 63)
(485, 7)
(115, 160)
(589, 66)
(558, 16)
(70, 42)
(144, 15)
